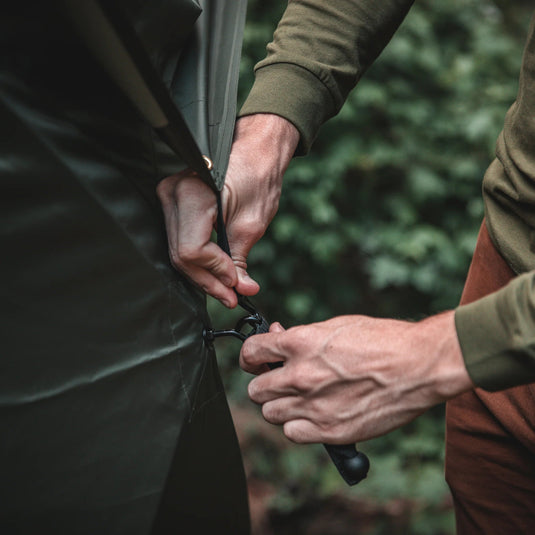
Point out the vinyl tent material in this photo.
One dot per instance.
(112, 414)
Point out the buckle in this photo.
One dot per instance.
(251, 324)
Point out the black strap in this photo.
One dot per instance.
(221, 230)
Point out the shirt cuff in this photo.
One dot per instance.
(294, 93)
(497, 338)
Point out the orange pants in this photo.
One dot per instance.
(490, 437)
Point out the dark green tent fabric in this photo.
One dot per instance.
(199, 65)
(208, 69)
(108, 394)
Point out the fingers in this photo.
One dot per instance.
(190, 211)
(209, 270)
(303, 431)
(302, 421)
(298, 425)
(282, 410)
(253, 363)
(300, 394)
(258, 369)
(271, 386)
(241, 242)
(261, 349)
(246, 285)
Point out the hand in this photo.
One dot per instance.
(261, 151)
(353, 378)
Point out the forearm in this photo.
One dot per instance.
(319, 52)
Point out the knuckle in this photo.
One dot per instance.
(329, 434)
(239, 261)
(250, 230)
(207, 289)
(292, 433)
(215, 263)
(256, 231)
(247, 360)
(300, 380)
(269, 413)
(187, 253)
(253, 390)
(176, 261)
(190, 187)
(273, 414)
(297, 340)
(161, 190)
(334, 432)
(247, 352)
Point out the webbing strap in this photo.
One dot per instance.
(221, 230)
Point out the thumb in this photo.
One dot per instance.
(246, 285)
(245, 226)
(276, 327)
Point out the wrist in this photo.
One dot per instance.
(275, 137)
(448, 374)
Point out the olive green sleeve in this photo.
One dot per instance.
(497, 335)
(319, 52)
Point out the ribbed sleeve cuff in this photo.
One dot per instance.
(294, 93)
(497, 339)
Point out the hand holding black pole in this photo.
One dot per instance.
(352, 464)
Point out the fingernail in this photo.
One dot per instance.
(226, 303)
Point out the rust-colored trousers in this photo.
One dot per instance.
(490, 437)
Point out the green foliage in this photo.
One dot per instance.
(382, 217)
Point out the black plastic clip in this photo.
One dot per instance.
(254, 320)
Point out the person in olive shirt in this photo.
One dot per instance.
(353, 378)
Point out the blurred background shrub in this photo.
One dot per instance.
(380, 219)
